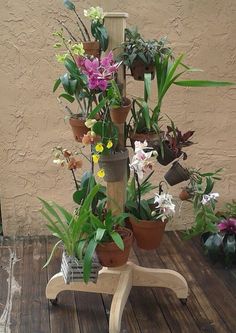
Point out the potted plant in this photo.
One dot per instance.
(204, 203)
(149, 216)
(176, 174)
(172, 142)
(119, 106)
(98, 30)
(69, 229)
(139, 54)
(85, 82)
(145, 119)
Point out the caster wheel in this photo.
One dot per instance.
(183, 301)
(54, 301)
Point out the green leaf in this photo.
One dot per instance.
(67, 97)
(56, 84)
(88, 259)
(147, 86)
(117, 239)
(199, 83)
(97, 108)
(69, 5)
(99, 234)
(52, 253)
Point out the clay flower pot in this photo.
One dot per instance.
(92, 49)
(169, 155)
(176, 174)
(119, 115)
(153, 139)
(78, 128)
(114, 165)
(110, 255)
(148, 234)
(139, 68)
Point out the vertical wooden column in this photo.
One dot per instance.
(116, 24)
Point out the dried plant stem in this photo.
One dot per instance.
(70, 34)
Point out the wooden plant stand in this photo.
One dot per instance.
(119, 281)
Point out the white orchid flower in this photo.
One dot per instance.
(140, 163)
(139, 146)
(209, 197)
(165, 205)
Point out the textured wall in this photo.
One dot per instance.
(32, 121)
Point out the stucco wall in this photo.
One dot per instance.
(32, 122)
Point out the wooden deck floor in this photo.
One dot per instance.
(211, 305)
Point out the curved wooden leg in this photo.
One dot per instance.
(155, 277)
(119, 300)
(55, 285)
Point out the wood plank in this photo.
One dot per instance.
(5, 268)
(227, 276)
(189, 261)
(34, 305)
(177, 316)
(18, 275)
(63, 316)
(91, 313)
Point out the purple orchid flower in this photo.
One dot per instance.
(228, 225)
(99, 72)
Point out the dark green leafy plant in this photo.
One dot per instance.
(136, 47)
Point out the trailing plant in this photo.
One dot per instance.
(136, 47)
(204, 202)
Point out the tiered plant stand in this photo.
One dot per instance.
(119, 281)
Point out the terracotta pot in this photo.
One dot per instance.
(176, 174)
(148, 234)
(78, 128)
(139, 68)
(92, 49)
(184, 195)
(169, 155)
(110, 255)
(119, 115)
(114, 165)
(153, 139)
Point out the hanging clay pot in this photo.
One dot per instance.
(152, 138)
(119, 115)
(176, 174)
(110, 255)
(148, 234)
(169, 155)
(184, 195)
(78, 128)
(92, 49)
(114, 165)
(139, 68)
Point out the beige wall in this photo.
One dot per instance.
(32, 122)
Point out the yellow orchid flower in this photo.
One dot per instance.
(101, 173)
(95, 158)
(109, 144)
(99, 147)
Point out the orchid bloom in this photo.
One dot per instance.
(140, 162)
(209, 197)
(99, 72)
(228, 225)
(165, 205)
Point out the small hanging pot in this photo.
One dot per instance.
(139, 68)
(119, 115)
(92, 49)
(110, 255)
(153, 139)
(148, 234)
(176, 174)
(78, 127)
(185, 195)
(114, 165)
(72, 269)
(169, 155)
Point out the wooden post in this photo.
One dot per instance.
(116, 24)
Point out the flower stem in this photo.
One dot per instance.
(83, 25)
